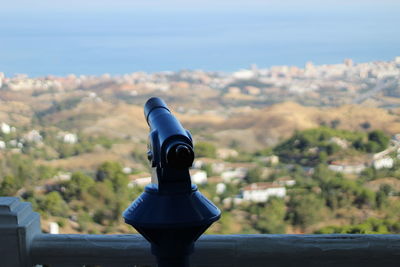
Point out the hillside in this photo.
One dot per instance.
(269, 125)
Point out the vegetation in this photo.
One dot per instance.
(93, 200)
(315, 146)
(370, 226)
(204, 149)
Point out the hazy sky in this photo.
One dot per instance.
(89, 5)
(120, 36)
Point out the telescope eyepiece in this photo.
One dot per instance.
(182, 152)
(180, 156)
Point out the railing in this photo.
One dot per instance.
(23, 244)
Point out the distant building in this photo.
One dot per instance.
(63, 176)
(1, 79)
(54, 228)
(217, 166)
(198, 176)
(285, 181)
(252, 90)
(234, 90)
(15, 143)
(346, 168)
(5, 128)
(68, 138)
(261, 192)
(273, 159)
(220, 188)
(348, 62)
(225, 153)
(236, 174)
(244, 74)
(386, 162)
(229, 201)
(127, 170)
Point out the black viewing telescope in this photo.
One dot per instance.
(171, 213)
(170, 147)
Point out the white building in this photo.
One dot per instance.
(198, 176)
(5, 128)
(2, 144)
(224, 153)
(220, 188)
(243, 74)
(229, 201)
(54, 228)
(386, 162)
(63, 176)
(68, 138)
(273, 159)
(236, 174)
(127, 170)
(346, 168)
(285, 181)
(261, 192)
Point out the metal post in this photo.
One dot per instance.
(18, 226)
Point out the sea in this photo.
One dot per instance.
(41, 43)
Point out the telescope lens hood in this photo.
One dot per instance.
(153, 103)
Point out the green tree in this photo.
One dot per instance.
(8, 186)
(205, 149)
(46, 172)
(306, 209)
(335, 123)
(79, 184)
(379, 137)
(365, 125)
(108, 170)
(54, 204)
(370, 226)
(254, 175)
(377, 141)
(112, 176)
(383, 194)
(271, 219)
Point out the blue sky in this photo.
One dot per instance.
(89, 5)
(120, 36)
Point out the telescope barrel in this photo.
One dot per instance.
(173, 141)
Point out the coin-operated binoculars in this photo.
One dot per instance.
(171, 213)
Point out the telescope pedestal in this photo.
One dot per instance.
(171, 214)
(168, 262)
(171, 222)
